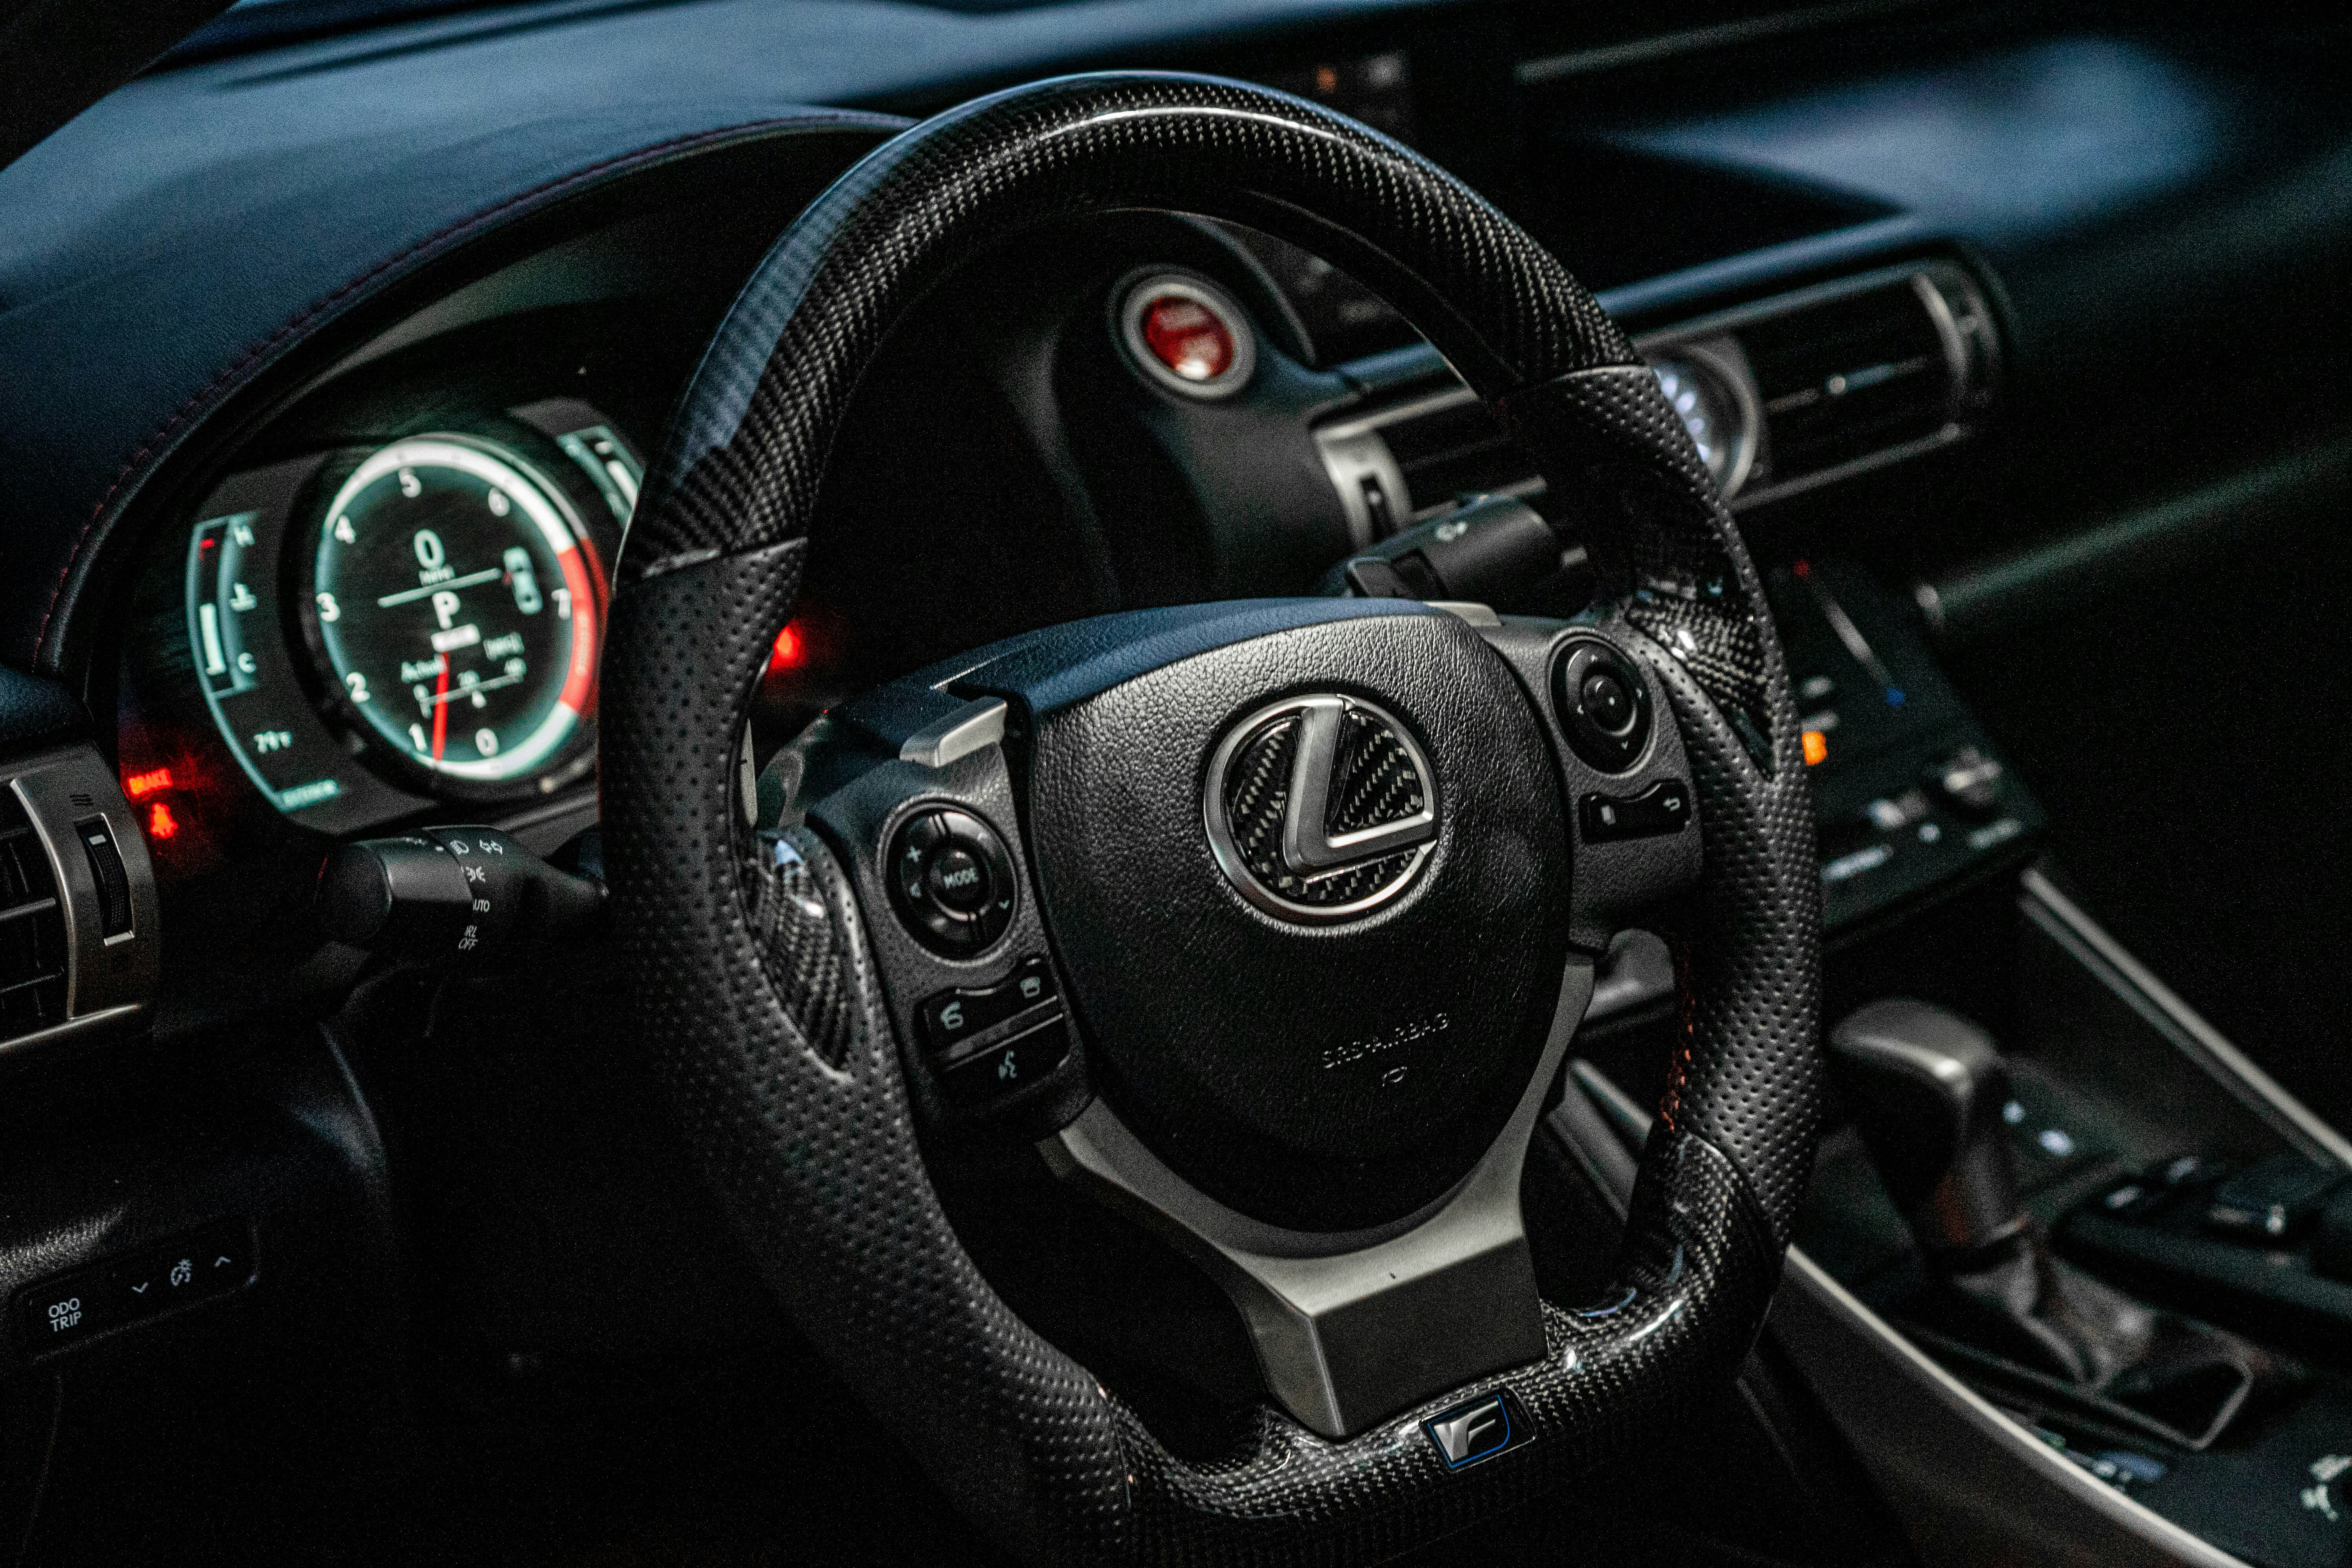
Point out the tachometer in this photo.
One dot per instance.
(457, 608)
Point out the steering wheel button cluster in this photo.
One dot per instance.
(1603, 707)
(1664, 808)
(1024, 1056)
(192, 1267)
(955, 878)
(1608, 702)
(952, 1020)
(951, 881)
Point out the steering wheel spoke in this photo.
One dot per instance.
(917, 807)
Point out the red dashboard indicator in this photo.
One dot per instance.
(790, 648)
(1817, 748)
(161, 824)
(148, 782)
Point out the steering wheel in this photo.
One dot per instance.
(1269, 921)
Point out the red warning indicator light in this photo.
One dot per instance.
(161, 824)
(147, 784)
(791, 648)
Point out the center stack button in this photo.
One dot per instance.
(951, 881)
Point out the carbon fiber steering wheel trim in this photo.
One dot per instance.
(785, 1073)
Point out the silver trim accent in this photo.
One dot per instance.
(1210, 298)
(106, 977)
(1305, 847)
(1944, 1466)
(974, 727)
(1469, 611)
(1353, 448)
(2199, 1041)
(1351, 1328)
(89, 1027)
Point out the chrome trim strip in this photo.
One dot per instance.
(2199, 1041)
(1817, 1323)
(1139, 292)
(57, 789)
(89, 1026)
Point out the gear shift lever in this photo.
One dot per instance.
(1927, 1087)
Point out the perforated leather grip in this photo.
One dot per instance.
(784, 1066)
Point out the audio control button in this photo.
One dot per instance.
(951, 880)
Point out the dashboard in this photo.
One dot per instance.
(365, 589)
(334, 361)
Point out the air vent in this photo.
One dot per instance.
(1782, 396)
(1848, 378)
(32, 929)
(1457, 451)
(1836, 380)
(79, 927)
(1413, 459)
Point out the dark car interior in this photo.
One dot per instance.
(911, 781)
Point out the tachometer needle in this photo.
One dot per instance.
(470, 579)
(440, 712)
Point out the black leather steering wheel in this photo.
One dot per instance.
(1316, 884)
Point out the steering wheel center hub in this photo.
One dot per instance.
(1311, 888)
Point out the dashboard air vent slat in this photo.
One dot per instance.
(32, 929)
(1459, 450)
(1781, 395)
(1849, 377)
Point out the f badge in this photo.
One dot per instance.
(1319, 808)
(1478, 1430)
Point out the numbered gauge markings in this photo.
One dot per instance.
(457, 608)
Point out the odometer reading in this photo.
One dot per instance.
(456, 608)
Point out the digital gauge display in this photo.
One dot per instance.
(455, 604)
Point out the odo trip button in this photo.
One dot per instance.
(950, 880)
(62, 1311)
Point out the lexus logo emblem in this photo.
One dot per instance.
(1320, 808)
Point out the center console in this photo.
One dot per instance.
(2075, 1276)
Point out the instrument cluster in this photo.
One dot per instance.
(371, 630)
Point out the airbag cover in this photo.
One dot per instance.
(1317, 1074)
